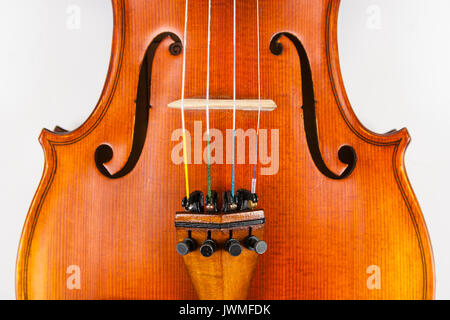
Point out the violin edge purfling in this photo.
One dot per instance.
(337, 225)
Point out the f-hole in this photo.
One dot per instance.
(346, 153)
(104, 153)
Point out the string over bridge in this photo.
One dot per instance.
(225, 104)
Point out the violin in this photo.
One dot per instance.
(224, 161)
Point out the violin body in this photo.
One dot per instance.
(341, 218)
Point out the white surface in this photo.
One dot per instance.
(394, 57)
(396, 74)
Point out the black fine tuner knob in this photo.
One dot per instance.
(186, 246)
(254, 244)
(208, 248)
(233, 247)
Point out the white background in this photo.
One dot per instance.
(54, 57)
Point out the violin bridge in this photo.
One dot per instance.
(225, 104)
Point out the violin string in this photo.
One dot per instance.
(234, 97)
(208, 151)
(182, 100)
(259, 99)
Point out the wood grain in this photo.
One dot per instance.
(221, 276)
(322, 234)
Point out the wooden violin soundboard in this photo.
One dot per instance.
(326, 213)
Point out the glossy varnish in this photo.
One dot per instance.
(323, 234)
